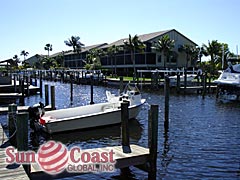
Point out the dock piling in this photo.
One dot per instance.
(124, 128)
(121, 84)
(12, 111)
(166, 94)
(41, 83)
(153, 140)
(46, 95)
(91, 102)
(71, 89)
(178, 83)
(22, 131)
(53, 98)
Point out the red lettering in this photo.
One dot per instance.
(10, 155)
(72, 155)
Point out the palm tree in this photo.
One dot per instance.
(213, 49)
(111, 52)
(48, 47)
(164, 45)
(93, 58)
(48, 63)
(16, 60)
(74, 42)
(134, 44)
(24, 54)
(191, 52)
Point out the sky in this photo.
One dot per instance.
(30, 24)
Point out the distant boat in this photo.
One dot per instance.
(91, 116)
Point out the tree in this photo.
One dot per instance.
(24, 54)
(48, 63)
(16, 61)
(134, 44)
(213, 49)
(74, 42)
(48, 47)
(111, 52)
(191, 53)
(93, 59)
(164, 45)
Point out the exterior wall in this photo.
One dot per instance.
(150, 59)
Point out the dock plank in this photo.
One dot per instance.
(21, 109)
(138, 156)
(5, 173)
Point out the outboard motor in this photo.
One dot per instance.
(35, 112)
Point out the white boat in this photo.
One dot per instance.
(229, 83)
(91, 116)
(190, 77)
(231, 76)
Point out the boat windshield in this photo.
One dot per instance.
(131, 88)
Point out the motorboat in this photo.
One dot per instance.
(229, 83)
(91, 116)
(231, 76)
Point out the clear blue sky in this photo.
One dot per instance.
(31, 24)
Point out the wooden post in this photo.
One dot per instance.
(12, 111)
(53, 98)
(27, 81)
(46, 95)
(178, 83)
(166, 93)
(125, 129)
(153, 140)
(185, 79)
(14, 83)
(22, 91)
(22, 131)
(41, 83)
(204, 85)
(35, 79)
(121, 84)
(91, 102)
(71, 89)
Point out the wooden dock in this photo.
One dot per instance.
(4, 110)
(5, 172)
(138, 156)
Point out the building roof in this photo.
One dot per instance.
(87, 48)
(145, 38)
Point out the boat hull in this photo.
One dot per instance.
(93, 120)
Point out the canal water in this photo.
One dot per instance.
(203, 141)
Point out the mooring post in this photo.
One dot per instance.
(12, 111)
(22, 91)
(178, 83)
(22, 135)
(204, 85)
(121, 84)
(22, 131)
(27, 82)
(53, 105)
(41, 83)
(71, 89)
(35, 79)
(153, 140)
(124, 128)
(91, 102)
(14, 83)
(46, 95)
(166, 93)
(185, 79)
